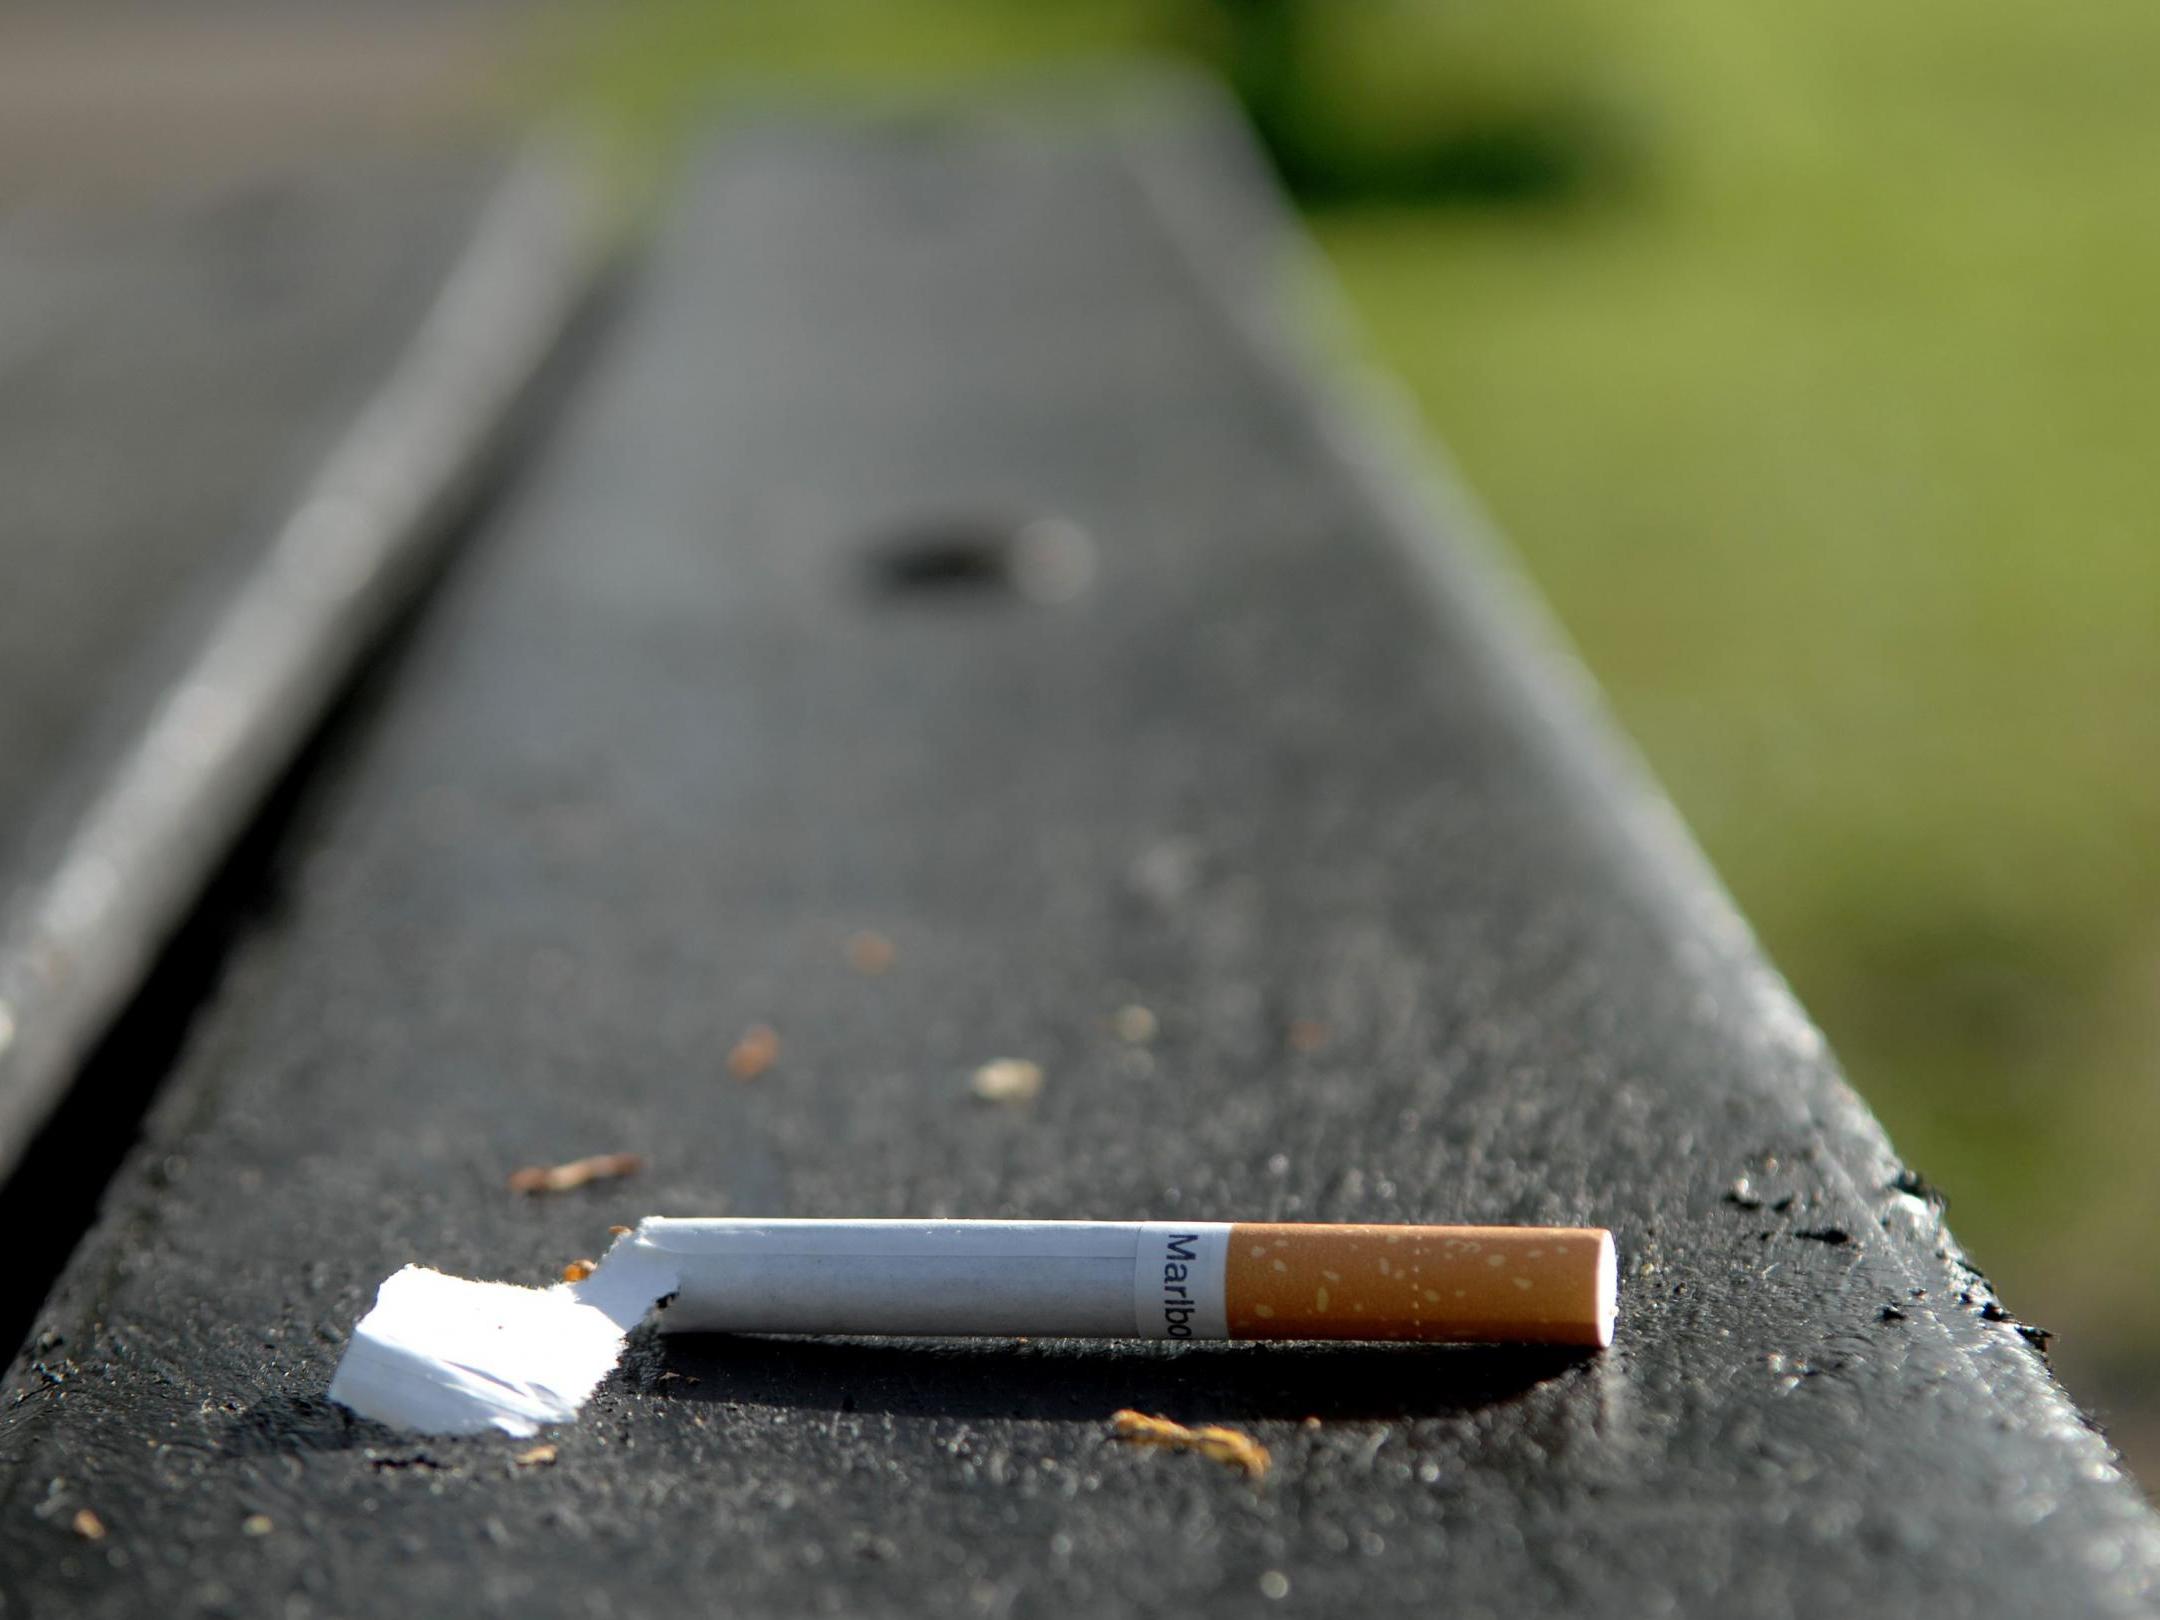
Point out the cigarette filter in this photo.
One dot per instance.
(444, 1355)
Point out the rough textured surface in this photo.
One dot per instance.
(1416, 947)
(170, 373)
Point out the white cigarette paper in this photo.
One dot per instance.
(442, 1355)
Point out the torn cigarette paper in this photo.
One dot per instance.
(446, 1355)
(443, 1355)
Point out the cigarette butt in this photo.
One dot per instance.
(445, 1356)
(1156, 1279)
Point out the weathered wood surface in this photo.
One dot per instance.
(171, 372)
(1418, 943)
(170, 667)
(175, 367)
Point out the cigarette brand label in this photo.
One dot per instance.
(1178, 1280)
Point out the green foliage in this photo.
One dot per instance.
(1436, 100)
(1475, 101)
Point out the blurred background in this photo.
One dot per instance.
(1808, 355)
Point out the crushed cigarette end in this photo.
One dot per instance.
(579, 1270)
(1007, 1080)
(1210, 1440)
(756, 1052)
(87, 1525)
(1135, 1025)
(870, 953)
(542, 1456)
(577, 1173)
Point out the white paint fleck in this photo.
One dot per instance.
(1007, 1080)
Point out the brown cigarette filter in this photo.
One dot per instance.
(1501, 1284)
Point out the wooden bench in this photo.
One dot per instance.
(951, 542)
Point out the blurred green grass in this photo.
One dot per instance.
(1811, 360)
